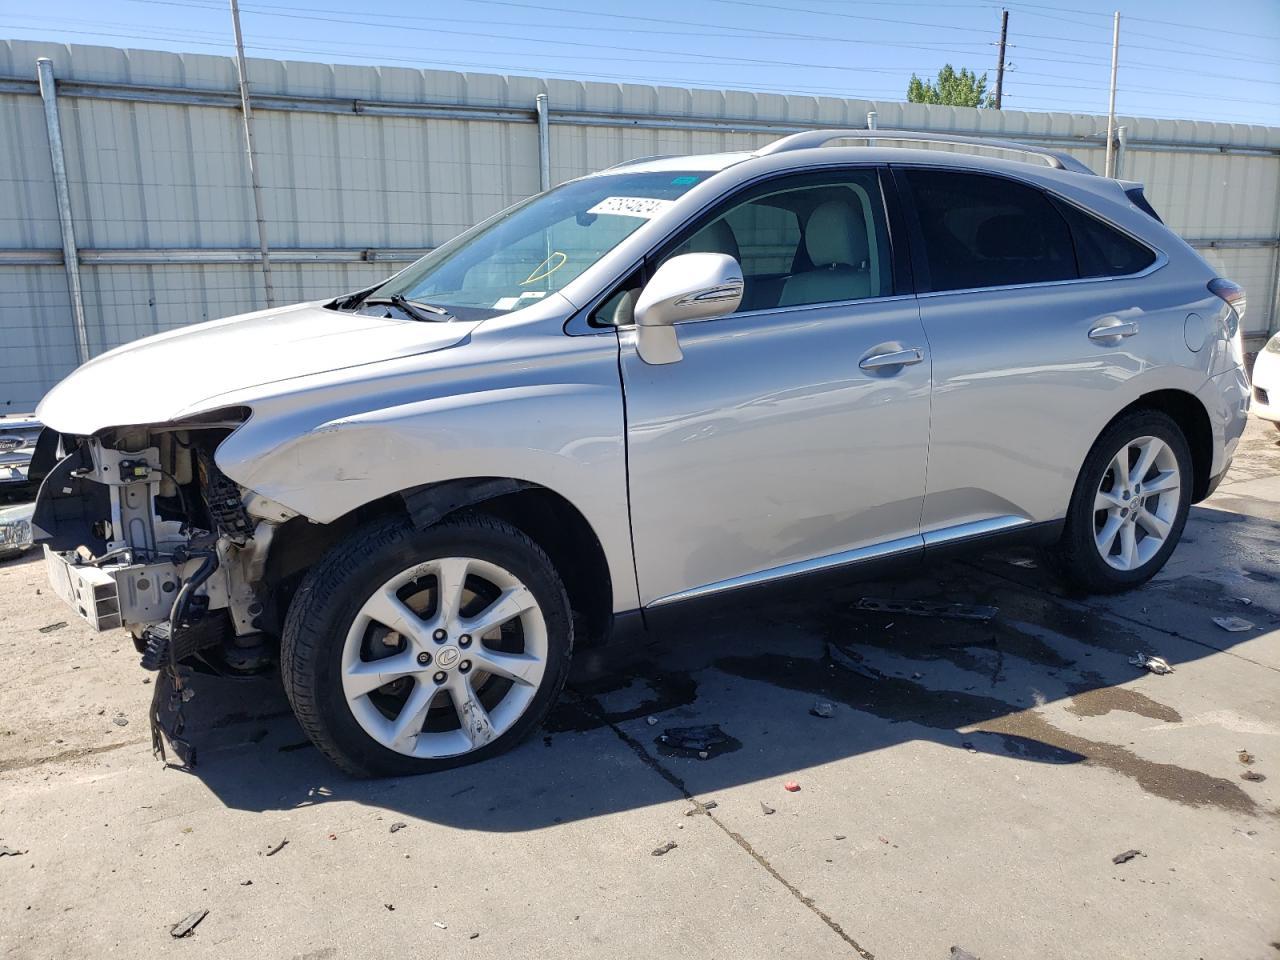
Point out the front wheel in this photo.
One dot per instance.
(407, 651)
(1129, 506)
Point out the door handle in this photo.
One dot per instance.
(895, 358)
(1114, 331)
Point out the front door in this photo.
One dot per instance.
(793, 434)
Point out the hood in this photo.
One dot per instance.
(162, 378)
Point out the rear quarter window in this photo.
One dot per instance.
(1102, 250)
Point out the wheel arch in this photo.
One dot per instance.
(1189, 413)
(545, 516)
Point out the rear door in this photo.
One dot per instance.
(793, 434)
(1015, 287)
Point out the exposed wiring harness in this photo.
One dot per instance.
(170, 689)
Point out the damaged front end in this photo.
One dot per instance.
(141, 530)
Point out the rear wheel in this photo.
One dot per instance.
(407, 651)
(1129, 506)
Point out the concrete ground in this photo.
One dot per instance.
(972, 787)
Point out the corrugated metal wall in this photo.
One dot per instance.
(362, 167)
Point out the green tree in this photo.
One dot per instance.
(951, 89)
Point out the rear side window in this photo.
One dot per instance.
(1101, 250)
(982, 231)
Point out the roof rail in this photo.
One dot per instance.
(818, 138)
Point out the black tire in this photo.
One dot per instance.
(1075, 558)
(332, 594)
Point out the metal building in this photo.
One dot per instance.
(364, 168)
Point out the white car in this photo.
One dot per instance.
(1266, 382)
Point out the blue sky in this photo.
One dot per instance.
(1178, 58)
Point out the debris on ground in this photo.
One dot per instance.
(665, 848)
(1244, 601)
(702, 742)
(701, 808)
(1245, 757)
(187, 925)
(398, 825)
(969, 746)
(929, 608)
(277, 848)
(1233, 624)
(651, 721)
(1025, 562)
(50, 627)
(1156, 665)
(766, 808)
(960, 953)
(1127, 856)
(10, 852)
(791, 786)
(824, 709)
(246, 883)
(1253, 776)
(852, 662)
(839, 836)
(442, 926)
(473, 936)
(120, 721)
(389, 906)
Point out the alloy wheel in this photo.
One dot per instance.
(444, 657)
(1136, 503)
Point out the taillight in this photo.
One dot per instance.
(1232, 293)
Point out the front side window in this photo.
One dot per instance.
(982, 231)
(817, 238)
(535, 248)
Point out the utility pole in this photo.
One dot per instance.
(247, 110)
(1111, 109)
(1004, 33)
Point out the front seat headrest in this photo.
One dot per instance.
(836, 234)
(716, 237)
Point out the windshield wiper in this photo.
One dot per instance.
(411, 307)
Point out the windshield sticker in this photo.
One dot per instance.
(506, 303)
(685, 181)
(645, 208)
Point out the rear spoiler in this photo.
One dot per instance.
(1133, 190)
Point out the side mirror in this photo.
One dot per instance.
(692, 286)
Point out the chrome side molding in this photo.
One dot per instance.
(848, 558)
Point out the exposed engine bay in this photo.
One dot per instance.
(142, 531)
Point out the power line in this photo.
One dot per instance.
(1199, 27)
(1018, 75)
(264, 9)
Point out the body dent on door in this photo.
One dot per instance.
(767, 445)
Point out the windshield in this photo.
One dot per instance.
(536, 247)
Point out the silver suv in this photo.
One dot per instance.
(669, 381)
